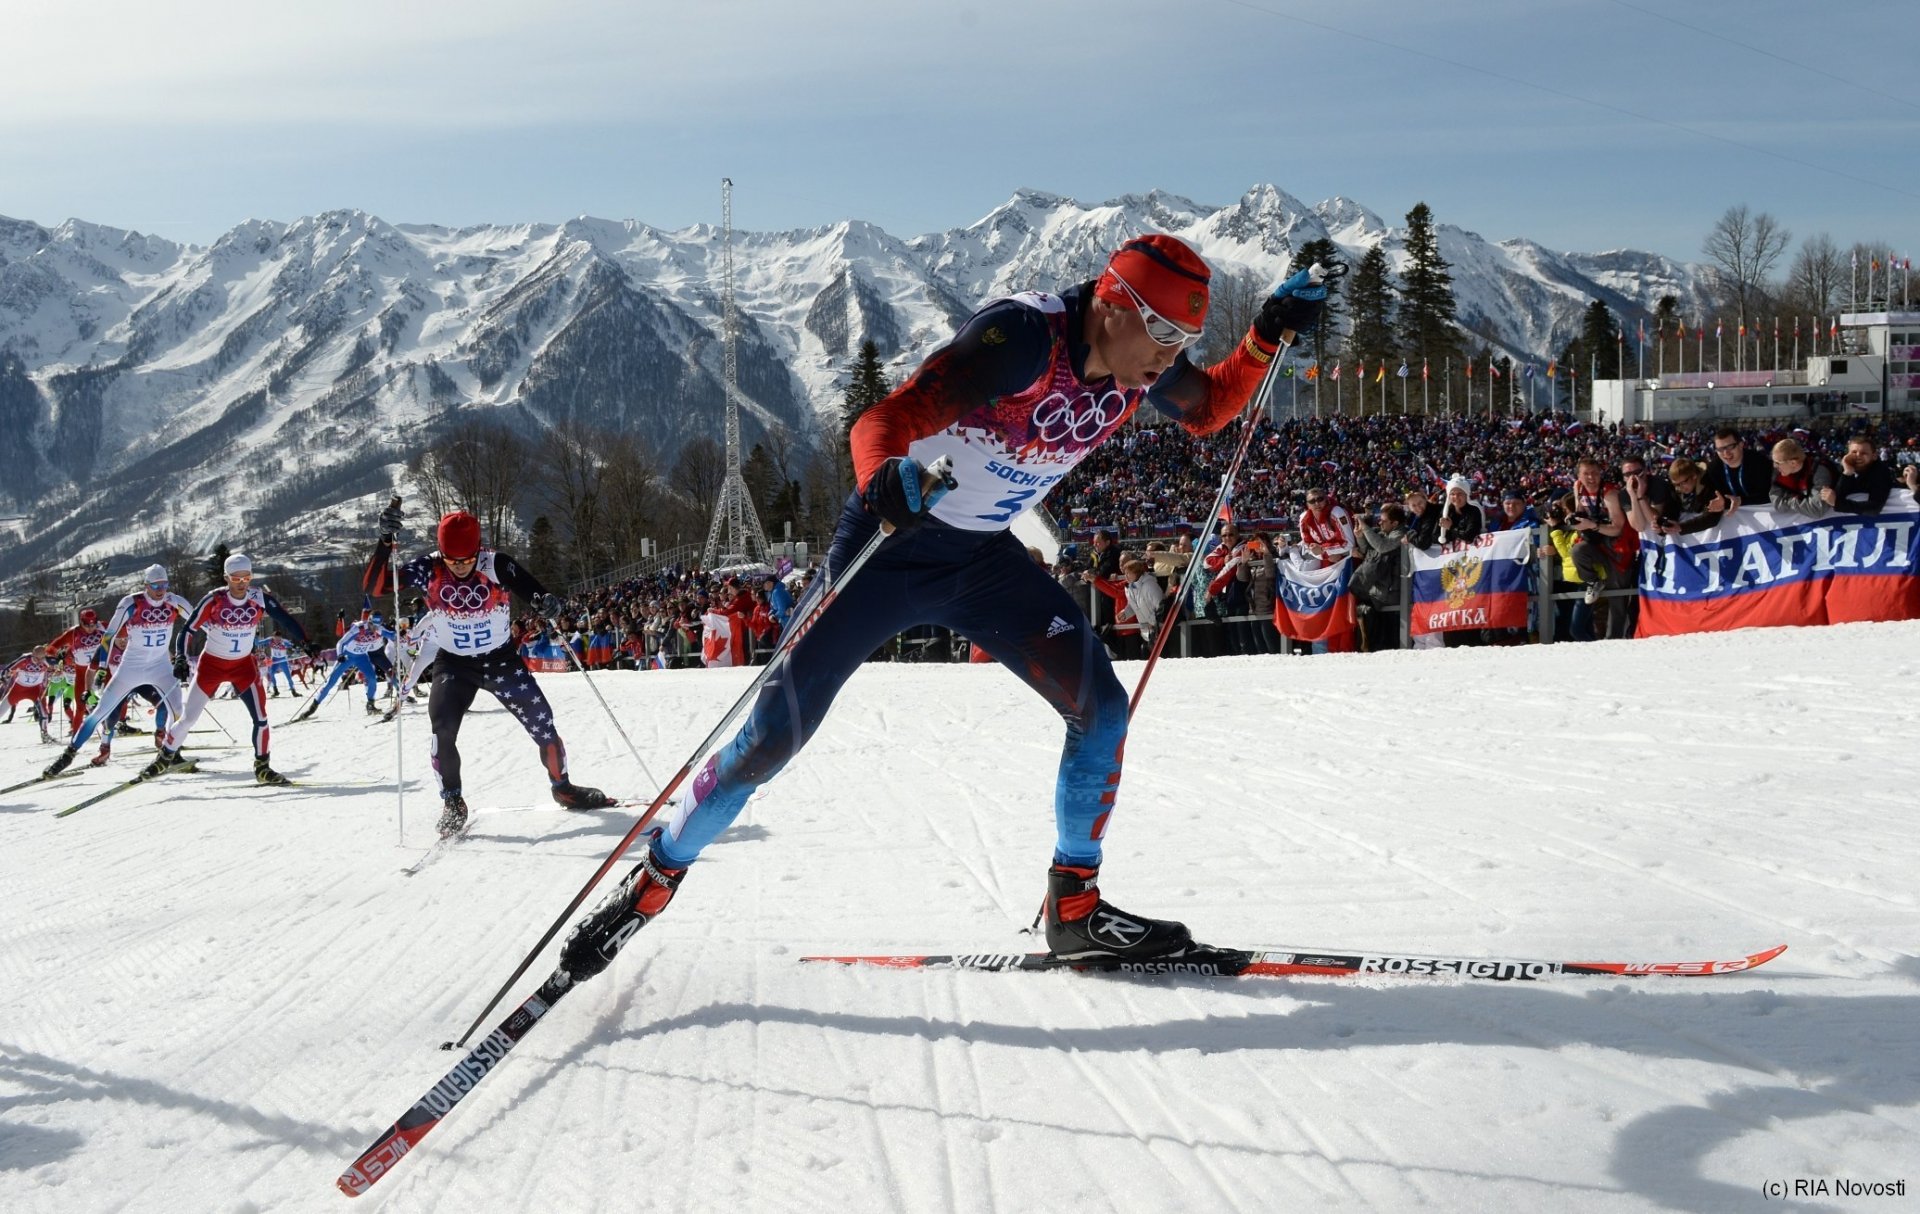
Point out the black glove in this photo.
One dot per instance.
(390, 521)
(549, 606)
(895, 493)
(180, 670)
(1295, 304)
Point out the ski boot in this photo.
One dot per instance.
(164, 762)
(264, 774)
(372, 709)
(645, 892)
(132, 731)
(100, 759)
(305, 712)
(59, 763)
(574, 796)
(1083, 925)
(453, 815)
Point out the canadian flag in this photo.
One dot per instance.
(716, 638)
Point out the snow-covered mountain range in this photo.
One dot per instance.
(268, 388)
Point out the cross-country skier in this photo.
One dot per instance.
(227, 619)
(25, 681)
(1026, 389)
(469, 585)
(146, 617)
(279, 664)
(355, 647)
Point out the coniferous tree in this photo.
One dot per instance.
(1600, 334)
(867, 386)
(1370, 296)
(216, 565)
(1325, 339)
(1426, 318)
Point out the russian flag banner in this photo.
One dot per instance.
(1768, 568)
(1480, 584)
(1314, 604)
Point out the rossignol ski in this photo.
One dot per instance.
(403, 1135)
(1206, 961)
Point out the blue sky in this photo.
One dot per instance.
(1583, 124)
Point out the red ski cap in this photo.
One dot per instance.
(459, 536)
(1167, 274)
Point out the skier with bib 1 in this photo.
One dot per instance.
(226, 619)
(1026, 389)
(469, 586)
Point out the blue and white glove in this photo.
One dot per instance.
(1295, 304)
(897, 495)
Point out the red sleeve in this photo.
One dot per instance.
(1001, 349)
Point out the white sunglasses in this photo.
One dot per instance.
(1163, 331)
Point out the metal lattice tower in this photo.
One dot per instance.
(735, 521)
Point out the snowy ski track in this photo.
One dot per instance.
(215, 995)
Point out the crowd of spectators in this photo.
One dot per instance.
(1131, 511)
(1151, 478)
(660, 620)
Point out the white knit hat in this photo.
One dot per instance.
(1460, 482)
(237, 563)
(156, 573)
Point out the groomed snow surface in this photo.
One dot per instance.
(215, 995)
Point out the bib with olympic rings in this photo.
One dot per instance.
(1010, 451)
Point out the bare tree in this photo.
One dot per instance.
(1744, 248)
(1817, 276)
(1234, 299)
(479, 466)
(699, 473)
(568, 486)
(630, 487)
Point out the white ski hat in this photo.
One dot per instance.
(237, 563)
(1460, 482)
(156, 573)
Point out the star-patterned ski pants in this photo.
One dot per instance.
(456, 680)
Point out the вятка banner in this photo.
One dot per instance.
(1764, 568)
(1478, 584)
(1313, 604)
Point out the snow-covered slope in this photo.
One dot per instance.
(268, 387)
(213, 996)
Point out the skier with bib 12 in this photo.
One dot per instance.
(1026, 389)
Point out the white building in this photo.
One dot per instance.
(1876, 369)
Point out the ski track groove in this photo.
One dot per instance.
(1222, 1190)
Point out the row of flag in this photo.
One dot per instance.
(1680, 330)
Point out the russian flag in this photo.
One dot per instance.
(1768, 568)
(1482, 584)
(1314, 604)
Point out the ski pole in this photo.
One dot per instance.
(618, 728)
(1316, 275)
(399, 752)
(937, 473)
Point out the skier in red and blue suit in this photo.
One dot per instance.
(1026, 389)
(227, 619)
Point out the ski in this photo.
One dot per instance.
(1207, 961)
(41, 780)
(447, 843)
(95, 799)
(441, 846)
(405, 1134)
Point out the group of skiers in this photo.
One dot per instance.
(1027, 388)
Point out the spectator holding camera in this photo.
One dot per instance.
(1376, 580)
(1601, 521)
